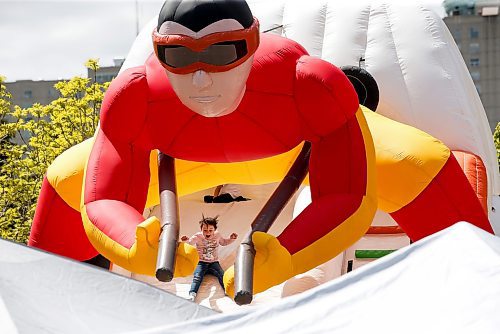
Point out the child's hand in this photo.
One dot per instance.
(184, 238)
(233, 236)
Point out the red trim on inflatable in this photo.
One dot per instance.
(58, 228)
(448, 199)
(385, 230)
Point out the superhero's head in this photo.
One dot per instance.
(199, 35)
(207, 48)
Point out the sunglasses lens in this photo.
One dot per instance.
(178, 56)
(224, 53)
(218, 54)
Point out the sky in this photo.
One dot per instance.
(51, 40)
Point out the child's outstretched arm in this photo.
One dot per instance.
(225, 242)
(191, 240)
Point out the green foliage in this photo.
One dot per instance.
(496, 137)
(42, 133)
(4, 108)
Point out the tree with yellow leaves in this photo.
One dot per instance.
(45, 131)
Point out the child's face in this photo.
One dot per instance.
(207, 230)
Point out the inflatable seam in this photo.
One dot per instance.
(401, 63)
(181, 129)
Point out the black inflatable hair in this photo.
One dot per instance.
(197, 14)
(365, 85)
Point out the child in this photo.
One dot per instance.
(207, 242)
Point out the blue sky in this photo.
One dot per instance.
(50, 40)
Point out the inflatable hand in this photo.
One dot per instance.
(272, 265)
(143, 253)
(186, 260)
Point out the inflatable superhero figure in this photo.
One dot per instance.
(218, 92)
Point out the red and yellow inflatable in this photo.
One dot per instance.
(244, 124)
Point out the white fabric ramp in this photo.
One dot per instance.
(446, 283)
(44, 293)
(6, 323)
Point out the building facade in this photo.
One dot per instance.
(25, 93)
(475, 26)
(107, 73)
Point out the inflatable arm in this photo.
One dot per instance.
(116, 182)
(340, 167)
(341, 174)
(117, 175)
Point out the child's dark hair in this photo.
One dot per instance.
(209, 221)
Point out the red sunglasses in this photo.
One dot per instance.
(217, 52)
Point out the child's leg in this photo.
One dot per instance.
(216, 270)
(198, 275)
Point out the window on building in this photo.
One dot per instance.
(475, 75)
(474, 47)
(52, 93)
(474, 62)
(474, 32)
(457, 34)
(102, 78)
(28, 94)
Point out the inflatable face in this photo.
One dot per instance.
(207, 69)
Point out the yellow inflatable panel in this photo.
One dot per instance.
(407, 160)
(65, 174)
(197, 176)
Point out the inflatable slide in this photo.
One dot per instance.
(423, 155)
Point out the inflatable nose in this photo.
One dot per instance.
(201, 79)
